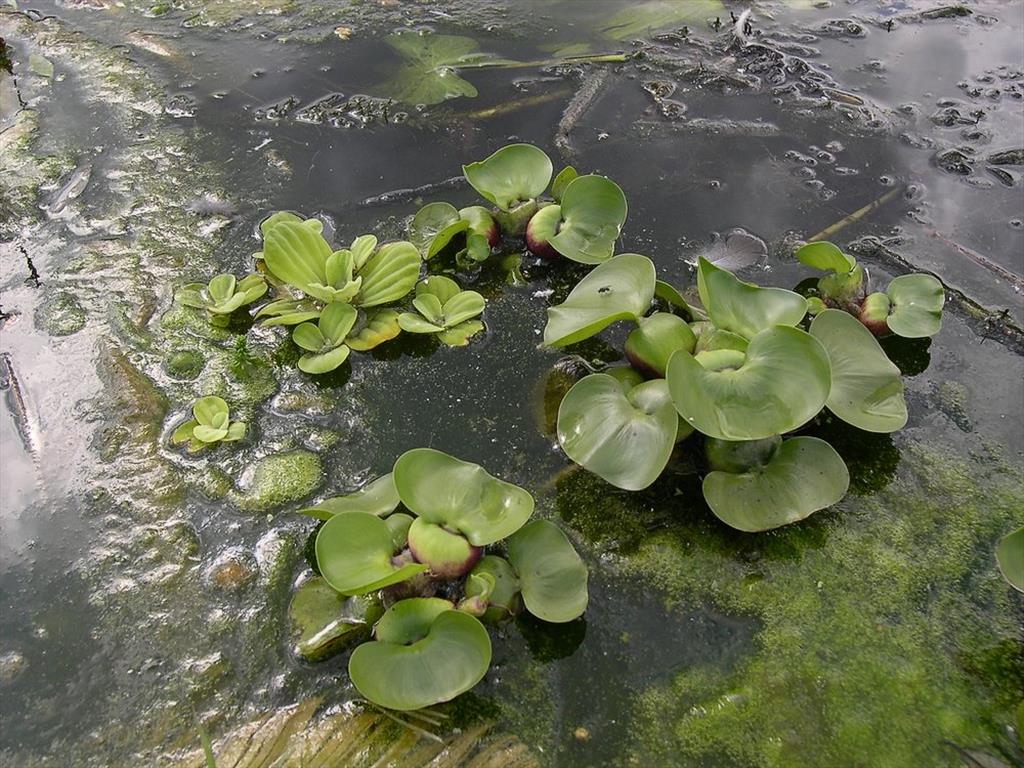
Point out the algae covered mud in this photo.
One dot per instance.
(146, 591)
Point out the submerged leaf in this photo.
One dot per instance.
(429, 75)
(642, 18)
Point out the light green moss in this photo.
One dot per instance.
(280, 479)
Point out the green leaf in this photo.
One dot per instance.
(626, 439)
(451, 659)
(354, 553)
(463, 306)
(191, 296)
(309, 337)
(207, 408)
(480, 223)
(362, 249)
(429, 76)
(460, 495)
(323, 362)
(804, 475)
(322, 622)
(296, 254)
(389, 274)
(867, 390)
(209, 434)
(650, 345)
(1010, 557)
(428, 305)
(222, 287)
(377, 497)
(745, 308)
(433, 227)
(375, 326)
(593, 211)
(565, 176)
(674, 298)
(409, 620)
(276, 218)
(236, 431)
(780, 384)
(640, 19)
(517, 172)
(620, 289)
(184, 432)
(916, 306)
(399, 525)
(336, 321)
(552, 576)
(459, 335)
(444, 288)
(413, 323)
(825, 256)
(447, 554)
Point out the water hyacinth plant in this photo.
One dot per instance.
(210, 424)
(426, 555)
(580, 220)
(741, 376)
(911, 305)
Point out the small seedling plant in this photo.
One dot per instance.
(427, 555)
(735, 381)
(210, 424)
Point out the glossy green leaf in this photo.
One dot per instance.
(354, 552)
(867, 389)
(916, 310)
(336, 321)
(439, 286)
(209, 434)
(362, 249)
(373, 328)
(1010, 557)
(780, 384)
(389, 274)
(620, 289)
(296, 254)
(222, 287)
(429, 306)
(309, 337)
(206, 409)
(323, 362)
(452, 658)
(626, 439)
(593, 211)
(413, 323)
(409, 620)
(804, 475)
(378, 497)
(517, 172)
(433, 227)
(674, 298)
(565, 176)
(552, 576)
(826, 257)
(429, 74)
(399, 525)
(322, 621)
(461, 307)
(460, 495)
(745, 308)
(650, 345)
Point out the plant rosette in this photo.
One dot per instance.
(324, 340)
(222, 295)
(469, 233)
(445, 311)
(583, 226)
(210, 424)
(425, 649)
(513, 178)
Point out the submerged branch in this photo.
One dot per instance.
(576, 108)
(857, 215)
(516, 104)
(597, 58)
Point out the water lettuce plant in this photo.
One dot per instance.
(443, 547)
(731, 384)
(444, 310)
(911, 305)
(222, 295)
(580, 219)
(210, 424)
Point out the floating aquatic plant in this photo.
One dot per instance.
(210, 424)
(456, 519)
(324, 340)
(580, 221)
(222, 295)
(1010, 557)
(444, 310)
(742, 375)
(911, 305)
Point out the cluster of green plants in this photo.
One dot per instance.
(736, 381)
(210, 424)
(427, 555)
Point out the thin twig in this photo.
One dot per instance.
(511, 106)
(857, 215)
(415, 729)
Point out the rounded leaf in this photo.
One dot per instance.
(825, 256)
(650, 345)
(428, 305)
(460, 495)
(620, 289)
(209, 434)
(322, 622)
(399, 525)
(336, 321)
(593, 212)
(449, 660)
(296, 254)
(737, 456)
(867, 390)
(1010, 557)
(564, 178)
(780, 384)
(378, 497)
(323, 362)
(222, 287)
(373, 328)
(461, 307)
(916, 306)
(458, 336)
(626, 439)
(389, 274)
(354, 553)
(552, 576)
(514, 173)
(439, 286)
(745, 308)
(409, 620)
(309, 337)
(413, 323)
(207, 408)
(433, 227)
(804, 475)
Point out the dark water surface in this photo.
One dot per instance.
(876, 634)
